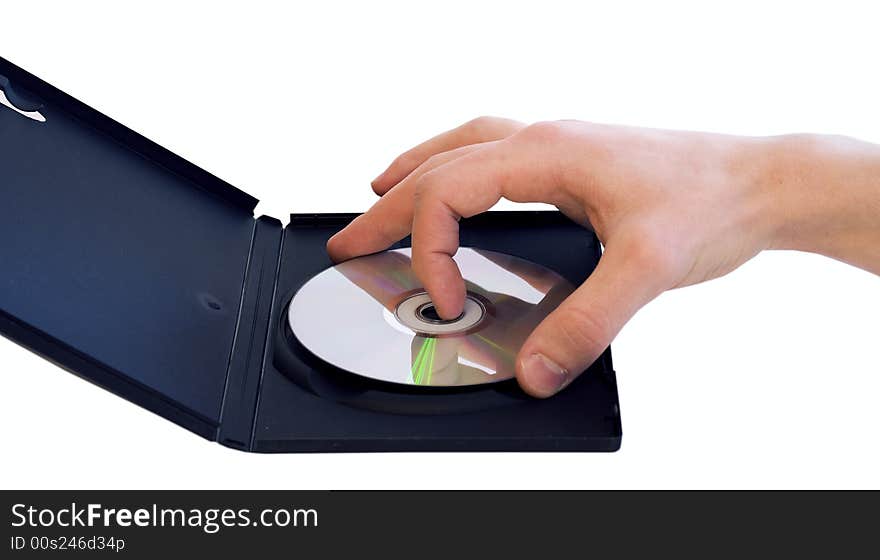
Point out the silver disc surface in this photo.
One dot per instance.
(371, 316)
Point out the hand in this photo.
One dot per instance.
(671, 208)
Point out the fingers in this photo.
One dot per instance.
(571, 338)
(390, 219)
(479, 130)
(513, 168)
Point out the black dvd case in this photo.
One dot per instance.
(133, 268)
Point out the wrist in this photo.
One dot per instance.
(823, 196)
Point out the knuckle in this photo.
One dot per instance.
(586, 329)
(435, 160)
(425, 186)
(405, 160)
(546, 132)
(387, 231)
(480, 123)
(653, 252)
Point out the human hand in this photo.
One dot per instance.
(671, 208)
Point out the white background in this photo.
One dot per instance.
(765, 378)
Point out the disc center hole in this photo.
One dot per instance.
(428, 313)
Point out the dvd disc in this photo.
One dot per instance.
(371, 317)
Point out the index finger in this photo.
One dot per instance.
(514, 169)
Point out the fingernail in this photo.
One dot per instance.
(544, 375)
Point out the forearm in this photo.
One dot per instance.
(826, 197)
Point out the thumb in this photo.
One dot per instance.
(571, 338)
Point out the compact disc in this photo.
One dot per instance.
(371, 316)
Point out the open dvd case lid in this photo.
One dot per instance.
(120, 261)
(143, 273)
